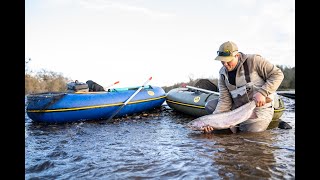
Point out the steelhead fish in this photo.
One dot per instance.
(224, 120)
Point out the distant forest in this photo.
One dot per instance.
(50, 81)
(288, 82)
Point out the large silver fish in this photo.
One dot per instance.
(224, 120)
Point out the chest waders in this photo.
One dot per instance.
(244, 94)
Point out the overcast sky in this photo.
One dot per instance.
(171, 40)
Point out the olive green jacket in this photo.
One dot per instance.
(265, 76)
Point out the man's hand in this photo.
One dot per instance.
(208, 129)
(259, 99)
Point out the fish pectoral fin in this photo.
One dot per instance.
(233, 129)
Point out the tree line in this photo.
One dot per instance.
(288, 82)
(44, 81)
(50, 81)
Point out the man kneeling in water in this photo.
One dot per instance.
(243, 78)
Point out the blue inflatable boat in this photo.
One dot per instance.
(62, 107)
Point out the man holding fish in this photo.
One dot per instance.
(247, 83)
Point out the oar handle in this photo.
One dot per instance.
(203, 90)
(112, 84)
(137, 91)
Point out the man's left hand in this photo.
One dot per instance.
(259, 99)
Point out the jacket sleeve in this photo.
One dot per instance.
(272, 75)
(225, 101)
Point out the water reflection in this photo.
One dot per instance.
(243, 155)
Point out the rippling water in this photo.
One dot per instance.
(157, 146)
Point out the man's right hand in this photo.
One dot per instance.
(208, 129)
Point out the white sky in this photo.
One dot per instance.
(171, 40)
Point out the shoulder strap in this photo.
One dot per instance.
(246, 71)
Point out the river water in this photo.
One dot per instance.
(157, 145)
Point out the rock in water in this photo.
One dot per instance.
(284, 125)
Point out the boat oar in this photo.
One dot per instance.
(213, 92)
(203, 90)
(126, 102)
(111, 85)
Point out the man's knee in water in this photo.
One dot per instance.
(254, 125)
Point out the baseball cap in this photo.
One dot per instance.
(226, 51)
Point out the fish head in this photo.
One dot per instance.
(196, 125)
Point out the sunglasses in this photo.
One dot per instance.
(222, 53)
